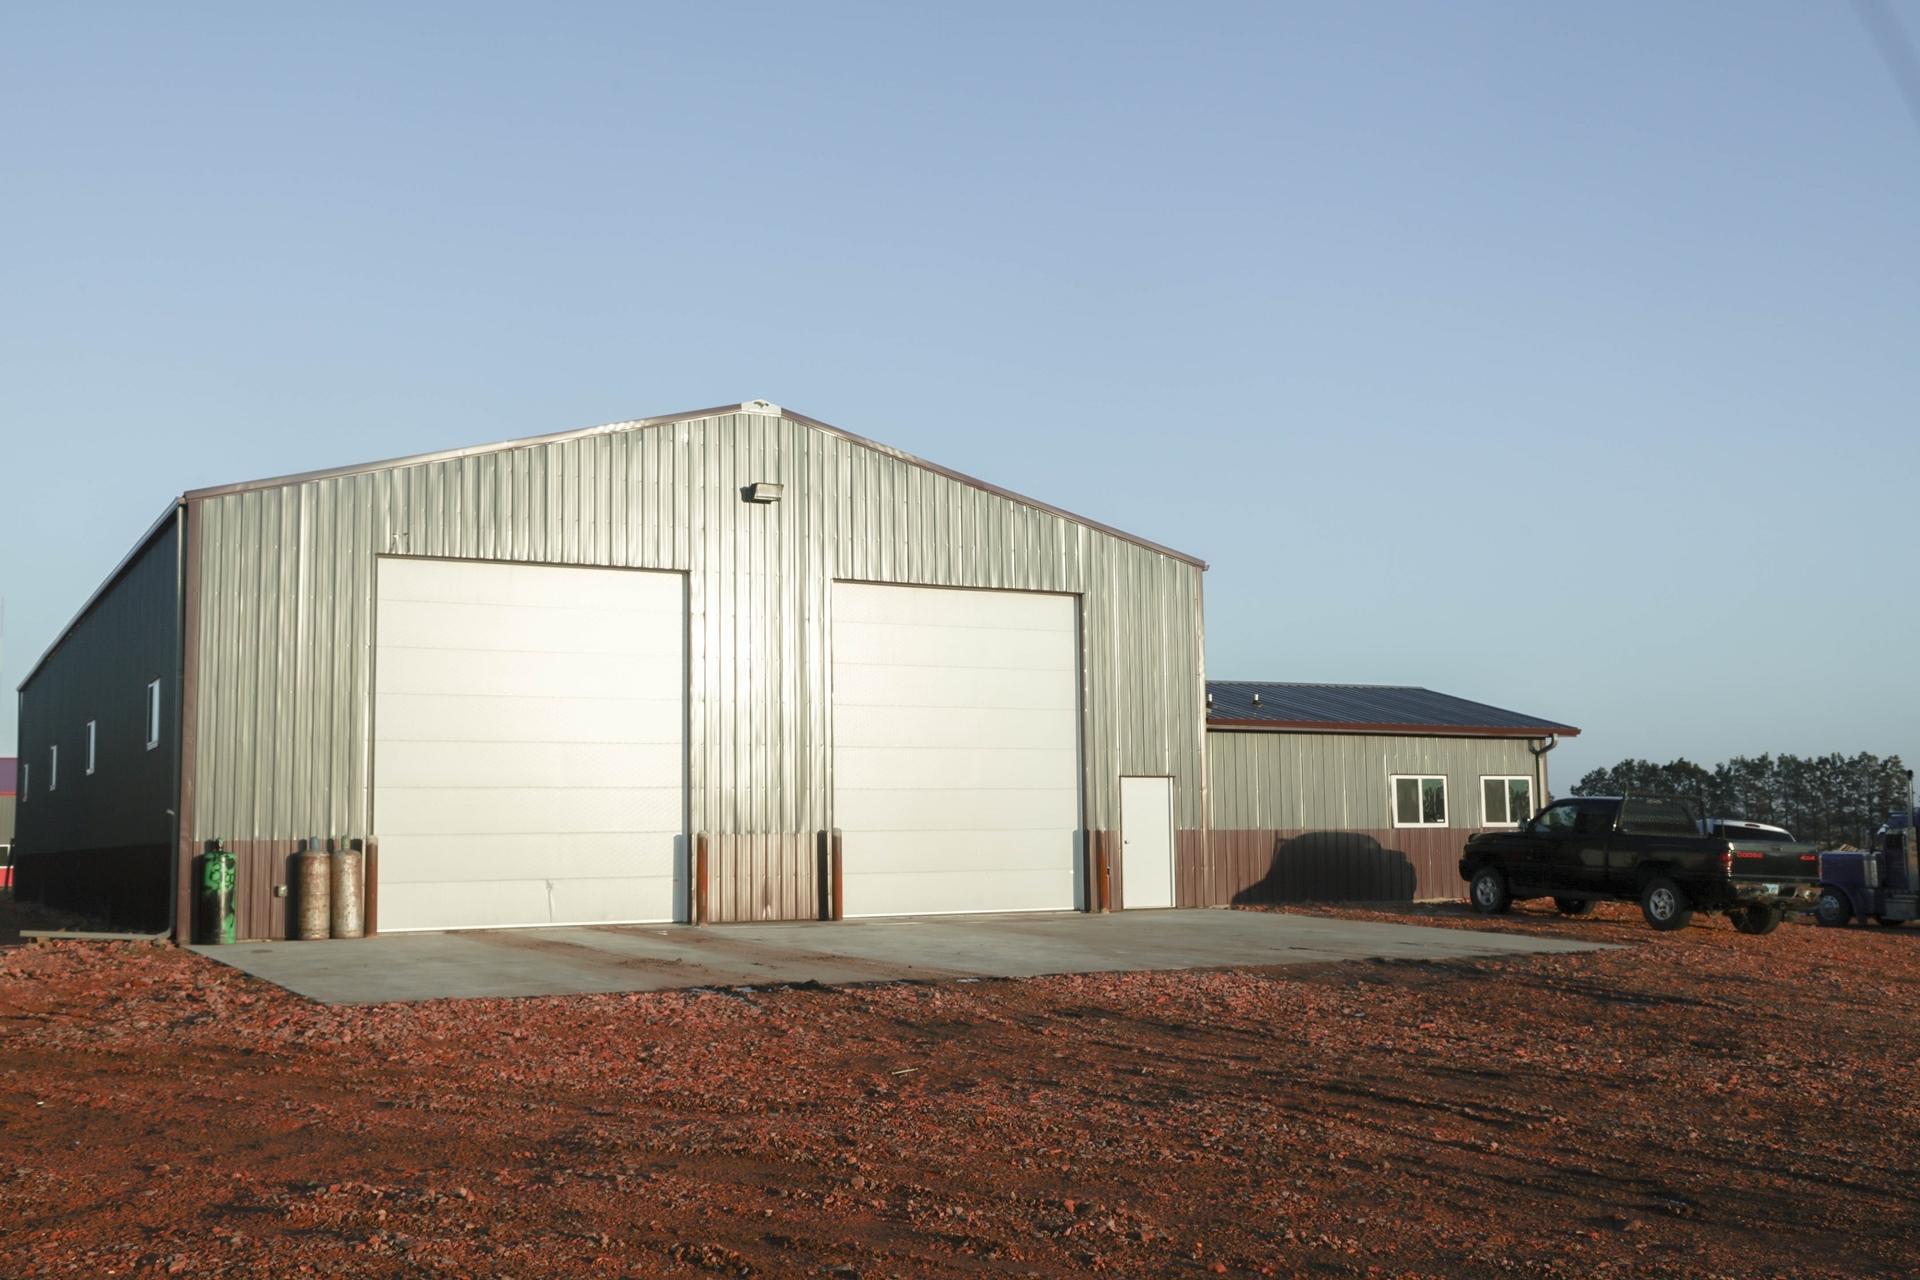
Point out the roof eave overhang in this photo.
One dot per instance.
(452, 455)
(994, 489)
(1399, 730)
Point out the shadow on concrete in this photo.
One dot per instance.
(1333, 866)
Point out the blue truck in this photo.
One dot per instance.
(1881, 884)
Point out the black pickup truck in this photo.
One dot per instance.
(1647, 849)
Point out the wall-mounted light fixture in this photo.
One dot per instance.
(762, 491)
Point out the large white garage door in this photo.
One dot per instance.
(956, 760)
(529, 760)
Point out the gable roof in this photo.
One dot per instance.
(1366, 708)
(444, 455)
(636, 424)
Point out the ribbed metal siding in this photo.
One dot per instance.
(287, 590)
(99, 671)
(1338, 782)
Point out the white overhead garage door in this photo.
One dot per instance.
(956, 757)
(529, 760)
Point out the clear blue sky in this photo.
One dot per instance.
(1562, 357)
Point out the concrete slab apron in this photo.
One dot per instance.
(607, 958)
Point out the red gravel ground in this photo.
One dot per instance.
(1703, 1103)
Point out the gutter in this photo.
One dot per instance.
(1531, 732)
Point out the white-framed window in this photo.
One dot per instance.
(53, 768)
(1419, 800)
(1505, 801)
(153, 715)
(93, 744)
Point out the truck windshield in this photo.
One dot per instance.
(1653, 816)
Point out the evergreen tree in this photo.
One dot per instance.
(1826, 800)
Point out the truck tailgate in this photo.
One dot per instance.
(1774, 862)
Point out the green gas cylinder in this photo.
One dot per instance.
(215, 872)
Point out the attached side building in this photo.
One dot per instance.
(1361, 792)
(643, 671)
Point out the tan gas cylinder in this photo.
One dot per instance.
(349, 893)
(313, 898)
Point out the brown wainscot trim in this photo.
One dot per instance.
(1394, 864)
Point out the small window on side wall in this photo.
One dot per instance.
(53, 768)
(153, 715)
(1419, 801)
(1505, 802)
(93, 744)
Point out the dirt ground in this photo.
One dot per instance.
(1701, 1104)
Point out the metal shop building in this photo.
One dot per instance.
(734, 664)
(1360, 792)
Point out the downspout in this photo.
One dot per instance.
(177, 929)
(175, 875)
(1539, 747)
(186, 721)
(1207, 852)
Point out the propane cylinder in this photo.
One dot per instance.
(215, 872)
(312, 872)
(349, 876)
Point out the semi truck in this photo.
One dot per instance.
(1881, 884)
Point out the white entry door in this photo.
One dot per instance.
(956, 749)
(529, 761)
(1146, 842)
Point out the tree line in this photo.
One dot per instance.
(1829, 800)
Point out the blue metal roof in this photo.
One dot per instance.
(1364, 708)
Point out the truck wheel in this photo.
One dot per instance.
(1573, 906)
(1834, 910)
(1664, 906)
(1756, 920)
(1488, 893)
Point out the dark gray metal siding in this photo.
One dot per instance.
(115, 824)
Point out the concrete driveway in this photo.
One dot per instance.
(604, 958)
